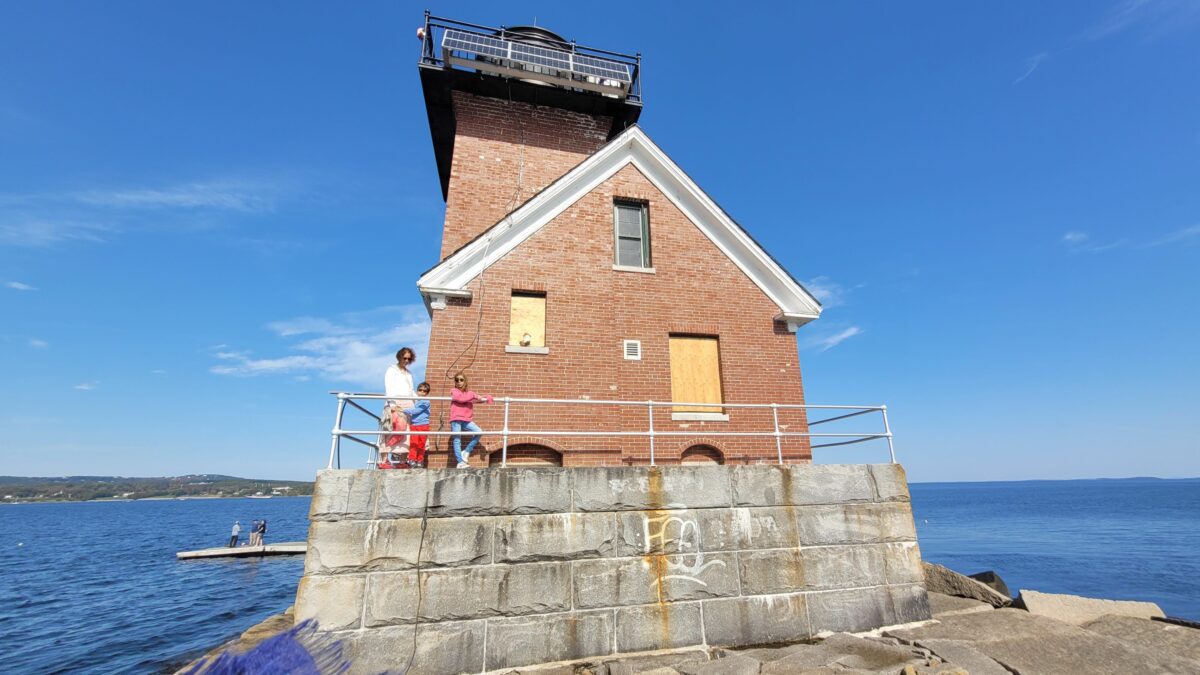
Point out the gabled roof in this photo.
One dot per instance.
(632, 146)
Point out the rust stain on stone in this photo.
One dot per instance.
(658, 561)
(785, 475)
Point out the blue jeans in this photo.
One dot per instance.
(457, 425)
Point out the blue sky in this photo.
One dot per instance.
(213, 214)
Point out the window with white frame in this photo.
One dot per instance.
(631, 227)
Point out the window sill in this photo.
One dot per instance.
(699, 417)
(517, 349)
(627, 268)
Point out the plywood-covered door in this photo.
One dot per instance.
(695, 373)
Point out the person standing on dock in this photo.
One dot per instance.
(233, 536)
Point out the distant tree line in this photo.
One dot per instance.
(84, 488)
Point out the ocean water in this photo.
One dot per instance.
(1135, 539)
(95, 587)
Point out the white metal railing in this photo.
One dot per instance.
(778, 432)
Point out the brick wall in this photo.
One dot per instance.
(591, 308)
(486, 167)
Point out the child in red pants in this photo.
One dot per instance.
(418, 420)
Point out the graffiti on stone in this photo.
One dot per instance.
(681, 535)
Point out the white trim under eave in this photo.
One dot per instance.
(794, 321)
(435, 298)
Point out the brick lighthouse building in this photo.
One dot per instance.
(579, 262)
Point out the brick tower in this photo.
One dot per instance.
(579, 262)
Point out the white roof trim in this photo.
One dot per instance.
(634, 147)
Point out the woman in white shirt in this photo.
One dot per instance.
(398, 387)
(398, 381)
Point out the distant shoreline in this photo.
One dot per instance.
(148, 499)
(19, 489)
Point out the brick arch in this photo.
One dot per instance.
(528, 454)
(534, 440)
(701, 451)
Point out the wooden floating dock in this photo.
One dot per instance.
(284, 548)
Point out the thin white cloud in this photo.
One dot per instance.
(1152, 18)
(45, 219)
(828, 291)
(1080, 242)
(1120, 17)
(1077, 241)
(158, 371)
(1190, 234)
(41, 233)
(38, 344)
(221, 195)
(353, 348)
(306, 325)
(18, 286)
(87, 386)
(827, 341)
(1031, 64)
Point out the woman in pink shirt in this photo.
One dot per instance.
(462, 410)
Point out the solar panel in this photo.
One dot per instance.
(473, 42)
(612, 70)
(549, 61)
(542, 56)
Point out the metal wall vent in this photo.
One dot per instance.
(633, 350)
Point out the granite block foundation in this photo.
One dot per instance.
(503, 568)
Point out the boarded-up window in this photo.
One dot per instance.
(632, 227)
(527, 323)
(695, 373)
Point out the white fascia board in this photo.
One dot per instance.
(631, 147)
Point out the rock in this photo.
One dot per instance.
(1029, 643)
(941, 605)
(939, 579)
(659, 664)
(1178, 641)
(933, 669)
(961, 653)
(992, 581)
(765, 654)
(730, 665)
(1177, 621)
(846, 653)
(867, 654)
(1078, 610)
(985, 626)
